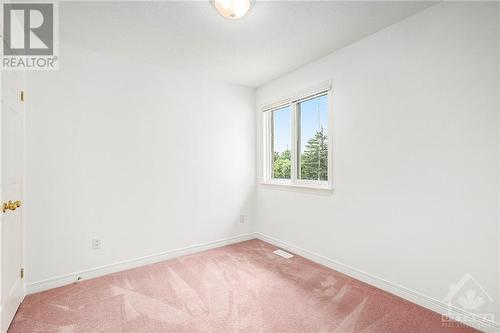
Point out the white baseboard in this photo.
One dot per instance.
(66, 279)
(393, 288)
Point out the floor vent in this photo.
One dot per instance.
(283, 254)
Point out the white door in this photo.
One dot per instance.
(11, 185)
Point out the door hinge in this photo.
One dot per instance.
(22, 96)
(22, 273)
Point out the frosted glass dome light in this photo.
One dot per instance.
(232, 9)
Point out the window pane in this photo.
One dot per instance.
(281, 143)
(313, 142)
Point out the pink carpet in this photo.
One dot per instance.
(238, 288)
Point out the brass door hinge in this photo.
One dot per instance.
(22, 96)
(22, 273)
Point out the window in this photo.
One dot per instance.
(297, 142)
(312, 116)
(282, 137)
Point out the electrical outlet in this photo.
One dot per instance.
(242, 218)
(96, 244)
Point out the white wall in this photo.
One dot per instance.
(146, 159)
(498, 196)
(415, 110)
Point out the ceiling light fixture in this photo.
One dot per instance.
(233, 9)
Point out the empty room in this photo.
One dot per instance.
(220, 166)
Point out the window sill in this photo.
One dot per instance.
(305, 187)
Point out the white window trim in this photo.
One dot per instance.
(294, 183)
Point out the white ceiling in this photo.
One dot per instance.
(273, 39)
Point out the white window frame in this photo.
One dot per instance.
(267, 126)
